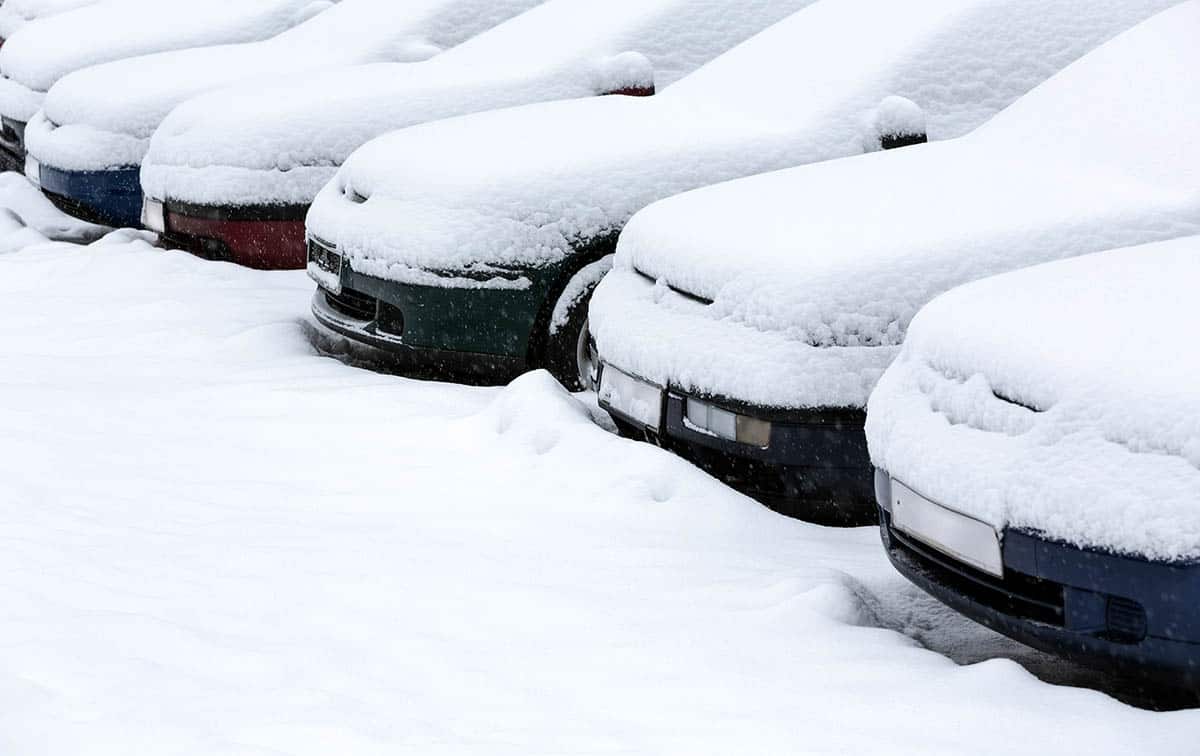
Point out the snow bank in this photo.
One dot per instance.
(34, 59)
(1058, 398)
(520, 187)
(219, 540)
(815, 273)
(86, 127)
(16, 13)
(259, 145)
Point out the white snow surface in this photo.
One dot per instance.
(42, 53)
(520, 186)
(220, 540)
(16, 13)
(815, 273)
(1058, 398)
(259, 145)
(104, 117)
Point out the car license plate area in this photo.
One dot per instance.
(633, 399)
(954, 534)
(325, 266)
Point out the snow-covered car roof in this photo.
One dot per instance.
(41, 53)
(521, 186)
(215, 148)
(1058, 398)
(103, 116)
(16, 13)
(813, 274)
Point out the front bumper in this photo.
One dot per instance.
(478, 334)
(265, 237)
(1096, 608)
(110, 198)
(815, 465)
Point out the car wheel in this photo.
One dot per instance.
(570, 352)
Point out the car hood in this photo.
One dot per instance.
(843, 254)
(16, 13)
(1058, 399)
(208, 148)
(522, 186)
(42, 53)
(84, 108)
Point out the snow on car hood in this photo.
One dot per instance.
(16, 13)
(836, 259)
(520, 187)
(1059, 399)
(39, 55)
(271, 145)
(88, 126)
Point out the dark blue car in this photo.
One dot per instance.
(1037, 454)
(1097, 608)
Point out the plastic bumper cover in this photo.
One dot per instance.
(1094, 607)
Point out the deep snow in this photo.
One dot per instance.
(217, 539)
(1059, 398)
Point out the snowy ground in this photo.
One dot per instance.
(220, 538)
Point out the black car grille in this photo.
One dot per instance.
(1126, 620)
(1016, 595)
(352, 304)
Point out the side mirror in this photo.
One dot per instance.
(898, 122)
(630, 74)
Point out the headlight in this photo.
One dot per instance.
(153, 215)
(728, 425)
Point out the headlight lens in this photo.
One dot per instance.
(730, 426)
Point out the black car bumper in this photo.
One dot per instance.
(815, 466)
(1096, 608)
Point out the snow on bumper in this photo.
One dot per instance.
(79, 147)
(230, 185)
(649, 330)
(1056, 472)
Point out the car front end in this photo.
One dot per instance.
(1036, 452)
(268, 237)
(1091, 605)
(719, 394)
(448, 324)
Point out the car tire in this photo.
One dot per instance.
(570, 353)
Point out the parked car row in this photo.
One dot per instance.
(730, 248)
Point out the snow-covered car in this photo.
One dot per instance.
(43, 52)
(95, 125)
(475, 242)
(237, 170)
(16, 13)
(1038, 444)
(745, 324)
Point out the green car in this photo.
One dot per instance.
(458, 330)
(471, 246)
